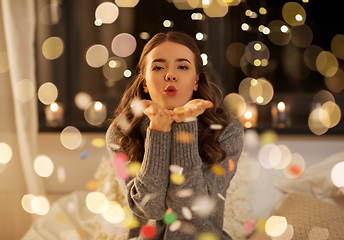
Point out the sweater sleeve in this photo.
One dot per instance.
(205, 185)
(146, 191)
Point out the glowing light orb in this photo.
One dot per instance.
(96, 202)
(52, 48)
(97, 55)
(107, 12)
(235, 104)
(40, 205)
(276, 225)
(114, 213)
(95, 113)
(127, 3)
(294, 14)
(24, 90)
(337, 174)
(82, 99)
(70, 137)
(47, 93)
(123, 45)
(43, 166)
(5, 153)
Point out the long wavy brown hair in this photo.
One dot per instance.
(132, 141)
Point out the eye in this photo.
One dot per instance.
(183, 67)
(155, 68)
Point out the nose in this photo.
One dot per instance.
(170, 77)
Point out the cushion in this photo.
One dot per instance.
(310, 218)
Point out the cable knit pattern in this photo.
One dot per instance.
(161, 150)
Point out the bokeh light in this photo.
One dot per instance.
(256, 50)
(301, 36)
(123, 45)
(52, 48)
(107, 12)
(268, 137)
(296, 166)
(186, 4)
(318, 232)
(95, 113)
(207, 236)
(43, 166)
(262, 92)
(336, 82)
(61, 174)
(310, 56)
(269, 156)
(337, 46)
(24, 90)
(50, 14)
(327, 64)
(285, 156)
(82, 99)
(40, 205)
(114, 68)
(26, 203)
(114, 212)
(70, 137)
(276, 226)
(337, 174)
(215, 9)
(4, 63)
(276, 36)
(5, 153)
(234, 53)
(96, 202)
(47, 93)
(294, 14)
(97, 55)
(127, 3)
(235, 104)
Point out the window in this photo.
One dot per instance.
(68, 31)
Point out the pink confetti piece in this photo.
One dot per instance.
(118, 163)
(249, 225)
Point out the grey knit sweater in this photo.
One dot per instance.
(153, 180)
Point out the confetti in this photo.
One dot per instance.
(114, 146)
(186, 213)
(180, 111)
(118, 163)
(133, 168)
(184, 137)
(84, 154)
(184, 193)
(148, 231)
(81, 233)
(176, 169)
(221, 196)
(137, 107)
(62, 218)
(177, 178)
(261, 224)
(169, 216)
(216, 126)
(98, 142)
(92, 185)
(231, 165)
(207, 236)
(175, 225)
(203, 205)
(249, 225)
(130, 221)
(218, 170)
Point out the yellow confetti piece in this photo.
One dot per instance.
(92, 185)
(180, 111)
(62, 218)
(218, 170)
(130, 221)
(98, 142)
(207, 236)
(231, 165)
(177, 178)
(261, 224)
(184, 137)
(81, 233)
(133, 168)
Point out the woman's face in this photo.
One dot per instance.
(170, 75)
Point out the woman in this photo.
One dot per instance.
(176, 131)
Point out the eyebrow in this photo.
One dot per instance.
(177, 60)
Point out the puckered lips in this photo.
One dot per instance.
(170, 90)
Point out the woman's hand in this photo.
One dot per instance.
(191, 110)
(160, 119)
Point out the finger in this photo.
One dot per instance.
(146, 103)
